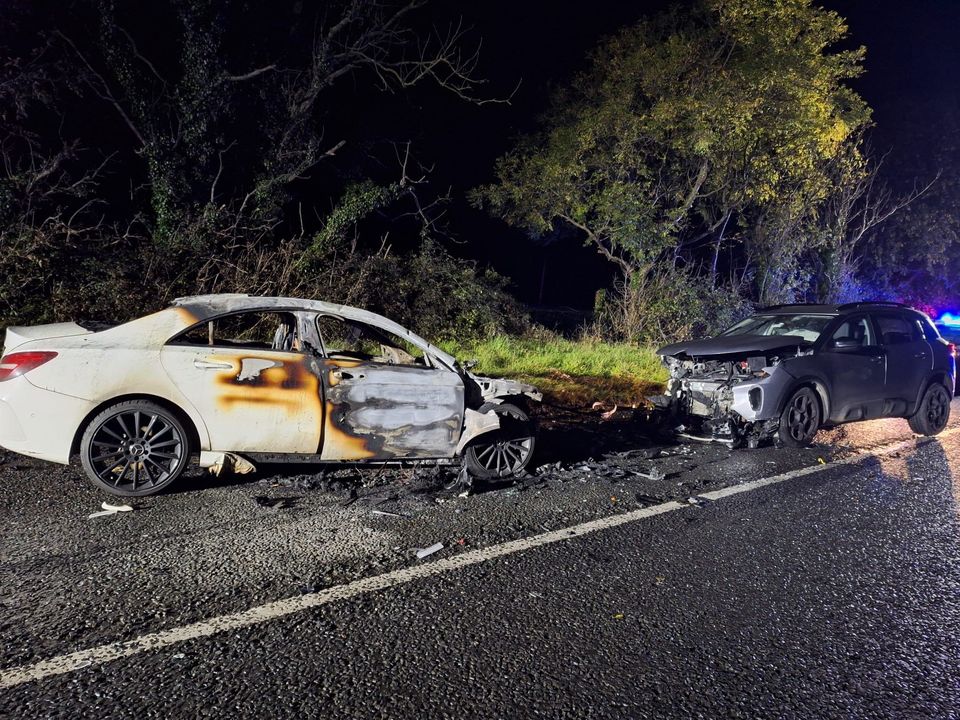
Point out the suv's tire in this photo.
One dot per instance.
(503, 452)
(934, 411)
(134, 448)
(800, 418)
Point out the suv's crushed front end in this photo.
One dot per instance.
(727, 392)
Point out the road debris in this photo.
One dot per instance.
(109, 509)
(387, 513)
(227, 463)
(424, 552)
(273, 503)
(655, 474)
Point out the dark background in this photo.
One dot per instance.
(531, 46)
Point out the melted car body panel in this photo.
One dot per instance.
(384, 412)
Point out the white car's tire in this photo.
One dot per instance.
(504, 452)
(134, 448)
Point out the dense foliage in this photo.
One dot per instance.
(715, 154)
(201, 146)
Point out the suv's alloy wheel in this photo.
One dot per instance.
(934, 411)
(800, 419)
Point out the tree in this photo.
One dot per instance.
(914, 258)
(197, 145)
(691, 131)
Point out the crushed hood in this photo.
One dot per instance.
(737, 345)
(491, 388)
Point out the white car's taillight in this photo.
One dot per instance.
(19, 363)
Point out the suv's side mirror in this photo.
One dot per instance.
(844, 344)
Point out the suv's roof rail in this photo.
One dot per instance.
(835, 308)
(872, 303)
(800, 306)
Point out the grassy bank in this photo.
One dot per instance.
(573, 372)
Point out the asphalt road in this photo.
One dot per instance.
(766, 583)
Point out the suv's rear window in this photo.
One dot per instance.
(930, 331)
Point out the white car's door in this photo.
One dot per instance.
(252, 398)
(384, 399)
(380, 411)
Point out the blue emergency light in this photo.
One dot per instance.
(950, 320)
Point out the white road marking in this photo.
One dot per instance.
(70, 662)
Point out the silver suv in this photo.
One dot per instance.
(791, 369)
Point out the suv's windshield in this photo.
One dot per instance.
(808, 327)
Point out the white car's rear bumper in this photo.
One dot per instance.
(38, 422)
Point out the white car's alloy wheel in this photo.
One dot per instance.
(134, 448)
(506, 451)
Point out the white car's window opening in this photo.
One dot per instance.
(348, 340)
(250, 330)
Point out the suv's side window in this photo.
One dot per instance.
(856, 328)
(928, 329)
(897, 329)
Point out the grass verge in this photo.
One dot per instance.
(570, 372)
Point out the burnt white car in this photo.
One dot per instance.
(234, 378)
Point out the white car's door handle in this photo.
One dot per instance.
(211, 365)
(344, 375)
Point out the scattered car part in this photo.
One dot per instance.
(226, 462)
(109, 509)
(425, 552)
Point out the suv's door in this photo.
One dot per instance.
(854, 364)
(251, 396)
(385, 400)
(909, 360)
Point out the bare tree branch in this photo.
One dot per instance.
(252, 74)
(104, 90)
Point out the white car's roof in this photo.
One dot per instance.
(202, 307)
(157, 328)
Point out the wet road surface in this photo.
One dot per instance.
(833, 592)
